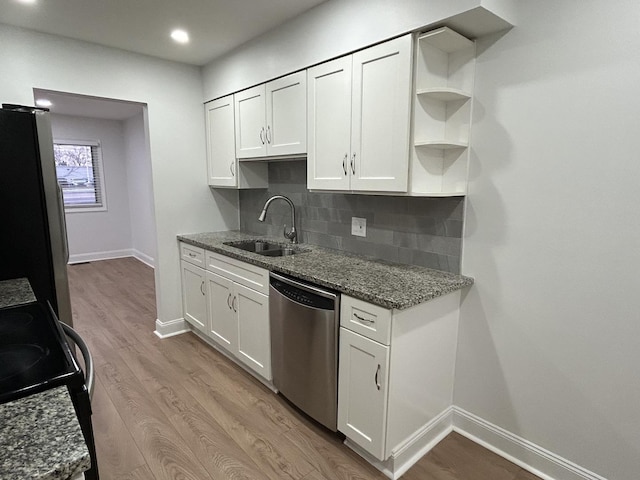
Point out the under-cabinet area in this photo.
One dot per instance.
(393, 118)
(396, 342)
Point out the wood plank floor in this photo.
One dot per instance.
(177, 409)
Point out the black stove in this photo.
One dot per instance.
(35, 356)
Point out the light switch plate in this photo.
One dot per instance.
(359, 226)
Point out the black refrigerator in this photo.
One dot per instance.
(33, 243)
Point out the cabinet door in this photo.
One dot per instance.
(194, 296)
(381, 110)
(254, 339)
(286, 100)
(223, 323)
(329, 125)
(250, 123)
(362, 391)
(221, 146)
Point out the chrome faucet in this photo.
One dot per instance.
(291, 234)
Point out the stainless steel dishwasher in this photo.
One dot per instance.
(305, 321)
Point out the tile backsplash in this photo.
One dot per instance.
(409, 230)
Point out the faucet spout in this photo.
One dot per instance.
(291, 234)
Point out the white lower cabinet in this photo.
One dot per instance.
(362, 391)
(194, 297)
(395, 378)
(254, 338)
(220, 304)
(223, 327)
(239, 319)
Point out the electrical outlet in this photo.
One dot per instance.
(359, 226)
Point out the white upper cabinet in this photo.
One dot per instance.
(223, 169)
(329, 125)
(381, 106)
(271, 118)
(250, 130)
(286, 100)
(359, 117)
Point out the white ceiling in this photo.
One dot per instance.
(143, 26)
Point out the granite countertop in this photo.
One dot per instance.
(386, 284)
(15, 292)
(40, 436)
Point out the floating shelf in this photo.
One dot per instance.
(441, 144)
(445, 94)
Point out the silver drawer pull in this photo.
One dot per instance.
(192, 255)
(377, 372)
(365, 320)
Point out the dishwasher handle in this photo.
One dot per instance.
(304, 293)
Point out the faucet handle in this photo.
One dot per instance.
(291, 234)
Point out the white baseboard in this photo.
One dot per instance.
(405, 456)
(127, 252)
(171, 328)
(533, 458)
(95, 256)
(144, 258)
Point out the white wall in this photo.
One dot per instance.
(327, 31)
(104, 233)
(140, 190)
(173, 93)
(549, 343)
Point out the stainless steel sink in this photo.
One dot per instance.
(268, 249)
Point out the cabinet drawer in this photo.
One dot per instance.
(369, 320)
(191, 254)
(238, 271)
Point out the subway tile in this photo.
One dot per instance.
(421, 231)
(425, 259)
(379, 235)
(405, 240)
(339, 229)
(453, 228)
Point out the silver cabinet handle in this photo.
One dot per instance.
(233, 303)
(231, 169)
(353, 164)
(269, 134)
(202, 287)
(362, 319)
(344, 163)
(377, 372)
(262, 135)
(229, 304)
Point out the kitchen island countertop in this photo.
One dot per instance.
(389, 285)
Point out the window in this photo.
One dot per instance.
(79, 171)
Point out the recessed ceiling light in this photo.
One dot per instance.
(180, 36)
(43, 102)
(27, 1)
